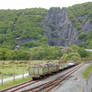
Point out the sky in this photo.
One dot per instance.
(22, 4)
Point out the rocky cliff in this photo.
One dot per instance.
(61, 31)
(35, 27)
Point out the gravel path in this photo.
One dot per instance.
(73, 84)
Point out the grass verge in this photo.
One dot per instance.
(86, 73)
(12, 83)
(15, 68)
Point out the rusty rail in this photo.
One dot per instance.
(46, 87)
(18, 86)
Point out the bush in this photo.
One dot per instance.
(82, 36)
(89, 44)
(67, 50)
(47, 52)
(71, 56)
(83, 52)
(75, 48)
(6, 54)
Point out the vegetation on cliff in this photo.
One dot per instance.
(23, 37)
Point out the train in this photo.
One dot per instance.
(40, 70)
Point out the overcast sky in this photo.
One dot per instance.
(21, 4)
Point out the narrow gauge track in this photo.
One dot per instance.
(23, 85)
(48, 86)
(19, 86)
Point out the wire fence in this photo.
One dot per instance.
(13, 77)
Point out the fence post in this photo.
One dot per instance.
(14, 77)
(2, 79)
(23, 73)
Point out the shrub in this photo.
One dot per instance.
(67, 50)
(71, 56)
(82, 36)
(83, 52)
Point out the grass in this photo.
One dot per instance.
(9, 67)
(17, 81)
(17, 67)
(86, 73)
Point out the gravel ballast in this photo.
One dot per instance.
(73, 84)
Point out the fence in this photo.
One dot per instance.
(13, 77)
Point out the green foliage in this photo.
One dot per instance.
(46, 52)
(71, 56)
(79, 10)
(79, 14)
(86, 73)
(91, 20)
(89, 40)
(67, 50)
(24, 23)
(20, 55)
(30, 44)
(82, 44)
(6, 54)
(27, 24)
(36, 53)
(82, 36)
(75, 48)
(89, 44)
(83, 52)
(89, 35)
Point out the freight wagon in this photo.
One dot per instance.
(40, 70)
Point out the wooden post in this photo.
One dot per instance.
(14, 76)
(2, 79)
(23, 73)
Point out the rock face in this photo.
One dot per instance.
(61, 31)
(87, 26)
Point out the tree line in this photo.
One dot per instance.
(44, 53)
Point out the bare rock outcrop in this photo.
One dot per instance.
(60, 30)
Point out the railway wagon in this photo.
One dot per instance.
(63, 65)
(41, 70)
(53, 67)
(38, 70)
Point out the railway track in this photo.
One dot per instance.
(46, 87)
(19, 86)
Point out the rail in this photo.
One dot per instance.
(46, 87)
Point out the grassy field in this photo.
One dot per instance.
(19, 67)
(10, 83)
(86, 73)
(9, 68)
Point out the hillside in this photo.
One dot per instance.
(35, 27)
(21, 28)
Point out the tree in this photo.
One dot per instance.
(71, 56)
(67, 50)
